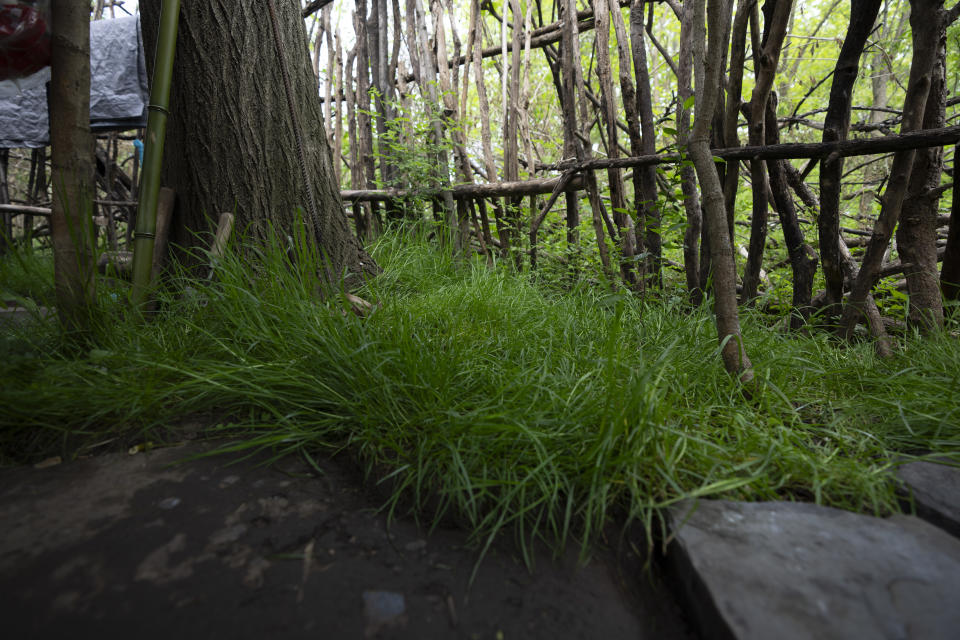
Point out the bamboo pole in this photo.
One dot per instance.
(153, 152)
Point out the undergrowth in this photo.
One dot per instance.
(476, 395)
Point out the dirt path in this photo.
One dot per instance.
(123, 546)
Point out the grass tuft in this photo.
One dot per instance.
(475, 395)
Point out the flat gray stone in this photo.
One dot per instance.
(936, 493)
(792, 570)
(20, 315)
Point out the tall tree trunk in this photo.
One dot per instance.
(776, 15)
(875, 172)
(511, 123)
(950, 272)
(688, 175)
(928, 20)
(483, 105)
(803, 259)
(738, 41)
(574, 71)
(338, 113)
(428, 89)
(365, 41)
(73, 161)
(836, 126)
(6, 218)
(572, 146)
(647, 209)
(451, 120)
(917, 231)
(733, 351)
(608, 113)
(230, 142)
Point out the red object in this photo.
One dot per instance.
(24, 38)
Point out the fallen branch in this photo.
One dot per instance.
(536, 186)
(845, 148)
(22, 208)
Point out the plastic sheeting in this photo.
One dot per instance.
(119, 91)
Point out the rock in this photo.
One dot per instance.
(793, 570)
(21, 315)
(936, 493)
(383, 609)
(416, 545)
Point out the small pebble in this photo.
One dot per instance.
(169, 503)
(416, 545)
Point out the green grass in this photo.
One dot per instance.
(477, 395)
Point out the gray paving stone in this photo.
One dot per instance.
(791, 570)
(18, 315)
(936, 493)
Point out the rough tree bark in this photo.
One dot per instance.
(927, 20)
(653, 240)
(608, 114)
(950, 272)
(917, 231)
(734, 354)
(574, 93)
(688, 176)
(6, 218)
(738, 41)
(803, 259)
(766, 60)
(72, 163)
(230, 142)
(836, 126)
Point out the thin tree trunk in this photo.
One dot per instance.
(731, 183)
(72, 156)
(642, 202)
(872, 314)
(572, 147)
(646, 196)
(572, 37)
(836, 126)
(875, 172)
(451, 120)
(365, 167)
(803, 259)
(917, 230)
(950, 272)
(429, 75)
(328, 92)
(338, 115)
(733, 350)
(688, 175)
(511, 122)
(927, 20)
(6, 217)
(608, 113)
(766, 59)
(483, 105)
(524, 106)
(364, 121)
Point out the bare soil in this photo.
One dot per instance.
(149, 546)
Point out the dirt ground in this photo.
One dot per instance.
(135, 546)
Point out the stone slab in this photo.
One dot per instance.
(20, 315)
(935, 489)
(793, 570)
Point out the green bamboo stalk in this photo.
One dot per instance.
(146, 226)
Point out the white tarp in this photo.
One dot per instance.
(118, 88)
